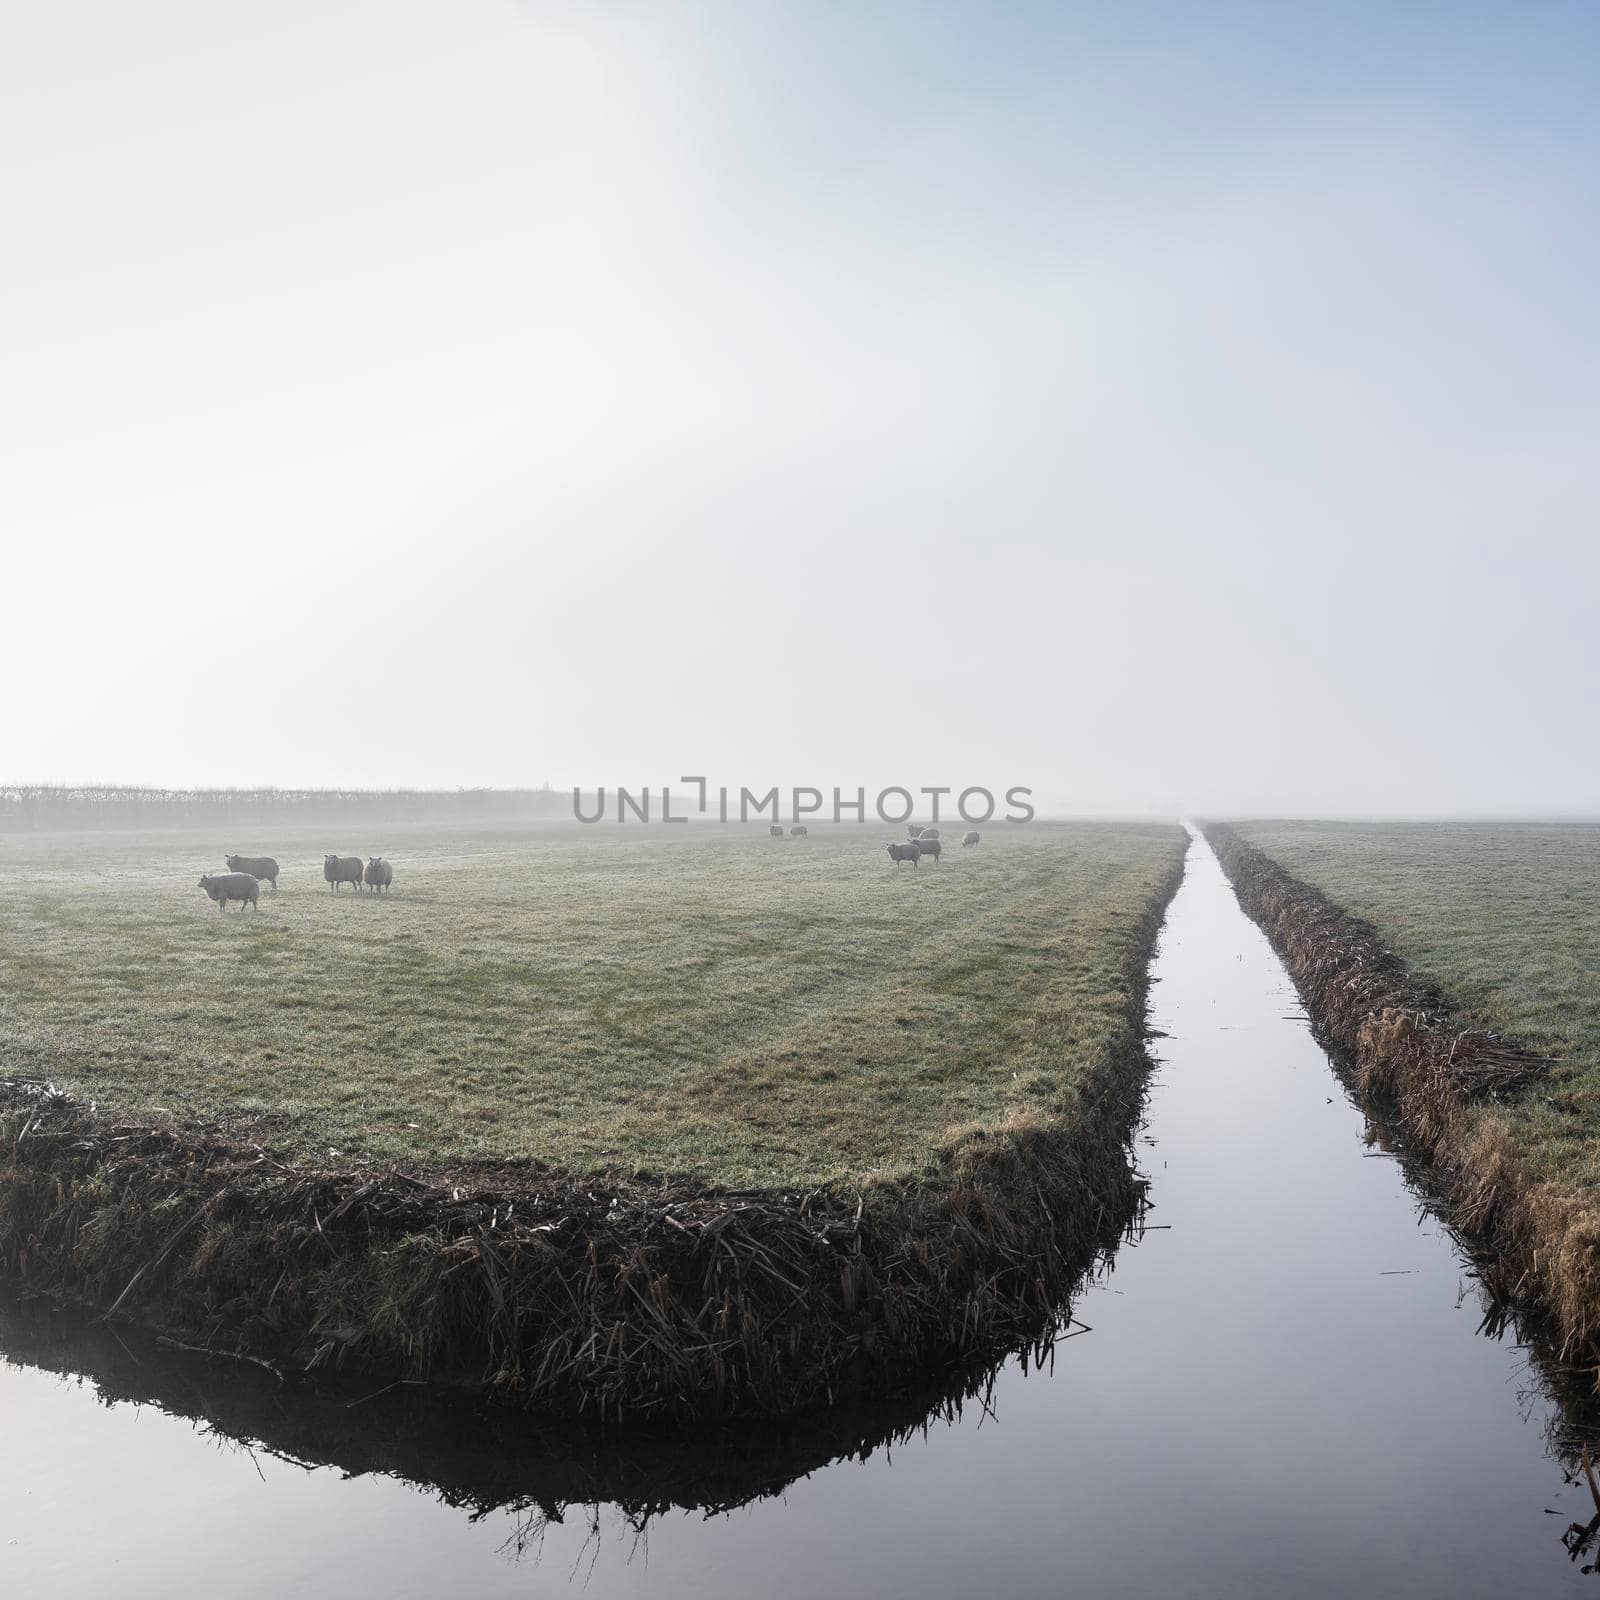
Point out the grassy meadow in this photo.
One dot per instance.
(695, 1001)
(1504, 918)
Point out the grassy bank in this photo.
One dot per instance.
(702, 1002)
(636, 1122)
(1456, 964)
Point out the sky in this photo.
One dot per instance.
(1164, 407)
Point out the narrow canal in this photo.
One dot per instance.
(1283, 1391)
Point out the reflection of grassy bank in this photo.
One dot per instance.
(948, 1107)
(1471, 930)
(476, 1457)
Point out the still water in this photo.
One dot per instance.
(1283, 1391)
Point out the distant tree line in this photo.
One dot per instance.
(27, 808)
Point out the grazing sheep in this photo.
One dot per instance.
(226, 886)
(799, 832)
(928, 847)
(904, 852)
(342, 869)
(379, 873)
(262, 867)
(774, 833)
(928, 833)
(969, 837)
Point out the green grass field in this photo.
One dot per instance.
(691, 1001)
(1505, 919)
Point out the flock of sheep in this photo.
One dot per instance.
(245, 875)
(923, 842)
(348, 869)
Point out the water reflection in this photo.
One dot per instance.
(477, 1457)
(531, 1478)
(1561, 1398)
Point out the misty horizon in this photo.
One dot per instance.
(563, 802)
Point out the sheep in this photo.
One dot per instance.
(912, 830)
(262, 867)
(904, 852)
(969, 837)
(927, 833)
(927, 847)
(342, 869)
(379, 873)
(798, 832)
(226, 886)
(774, 832)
